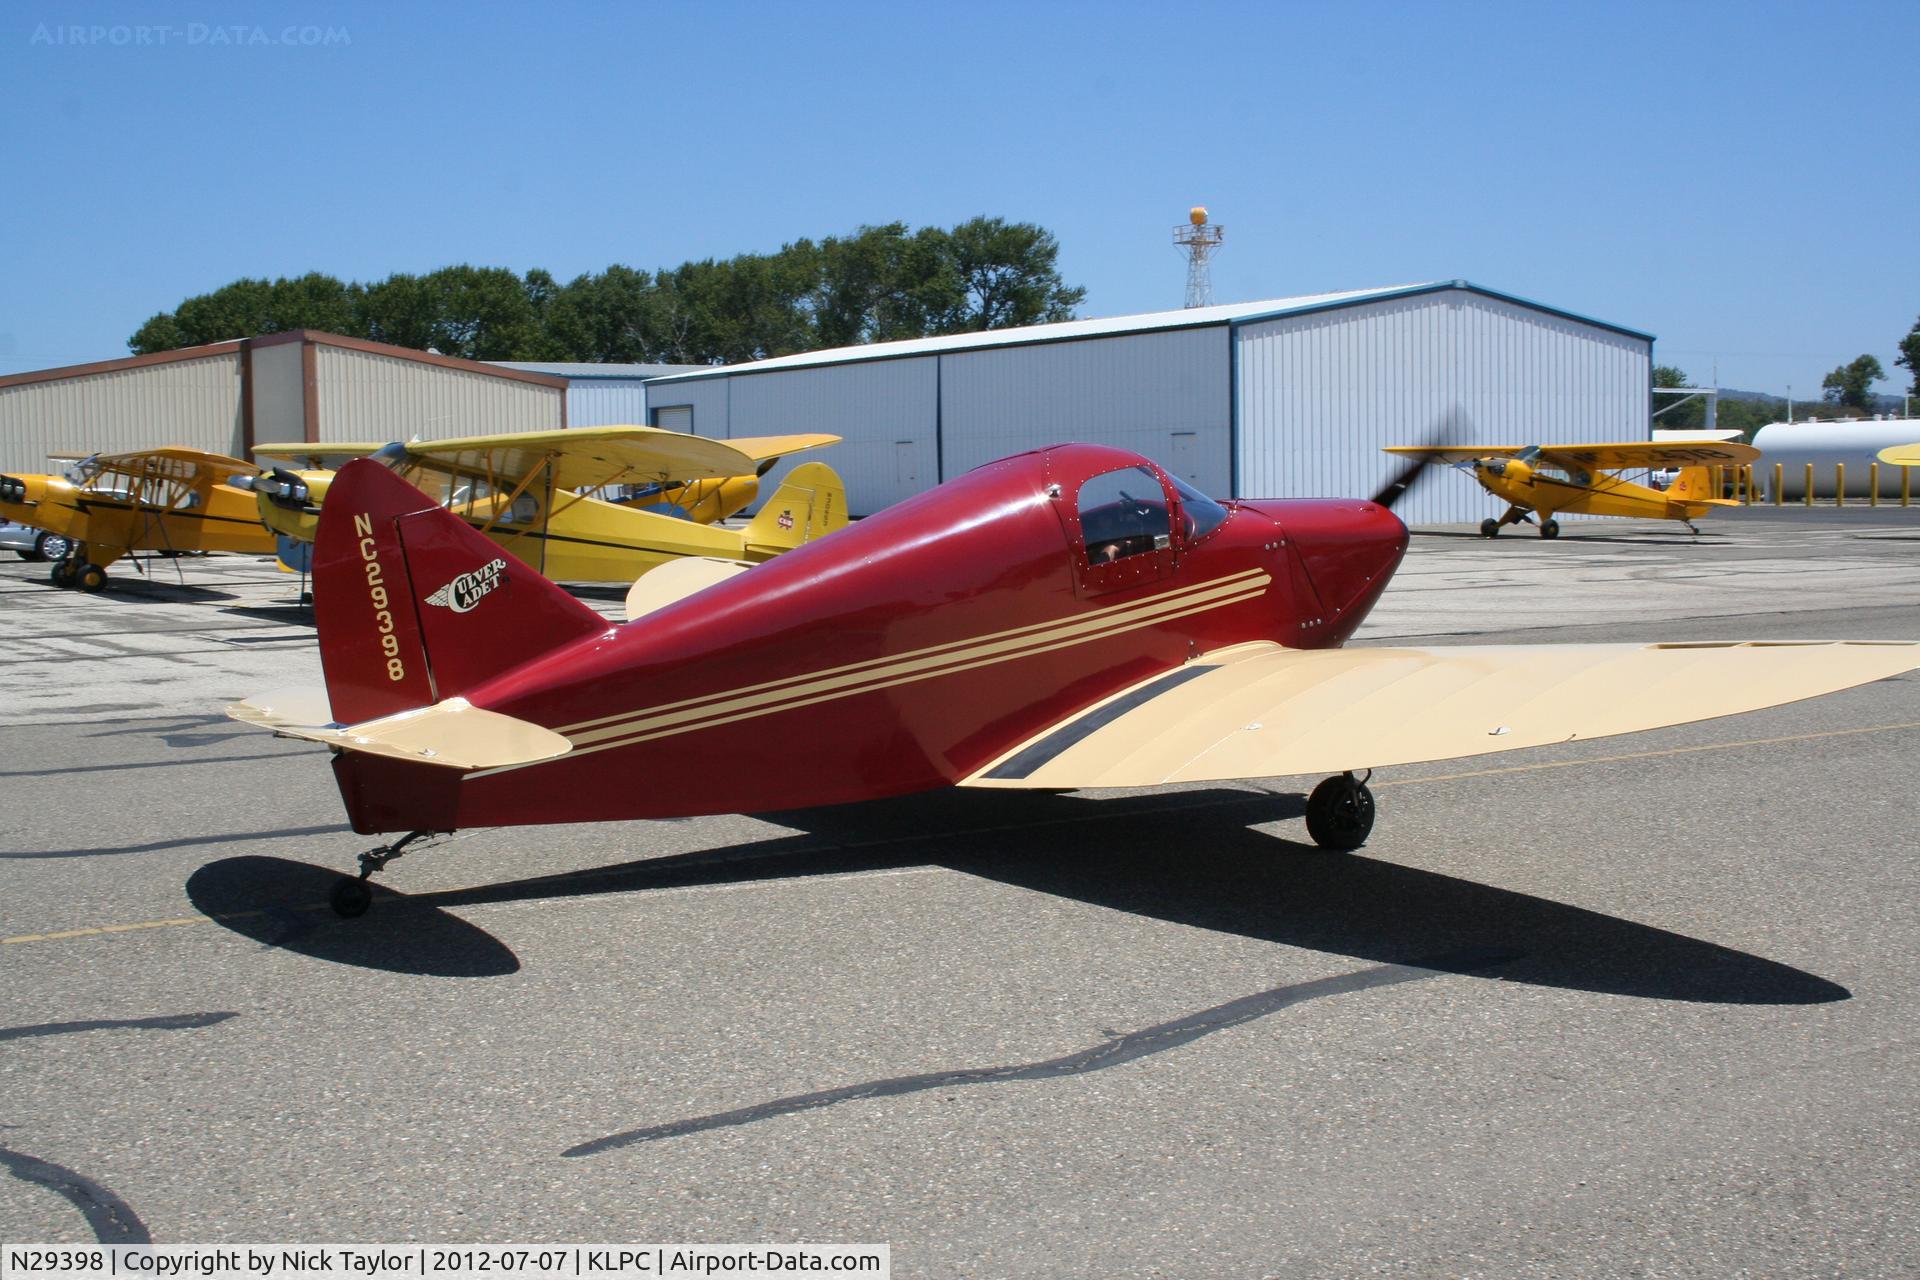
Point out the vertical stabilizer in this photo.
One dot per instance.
(413, 606)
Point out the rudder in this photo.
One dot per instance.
(414, 606)
(809, 504)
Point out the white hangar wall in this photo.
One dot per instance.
(884, 412)
(1318, 395)
(1163, 394)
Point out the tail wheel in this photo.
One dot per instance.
(1549, 528)
(1340, 813)
(1489, 527)
(90, 578)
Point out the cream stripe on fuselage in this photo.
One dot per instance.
(855, 675)
(792, 693)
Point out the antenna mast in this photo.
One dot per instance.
(1200, 240)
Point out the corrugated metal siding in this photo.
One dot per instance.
(364, 396)
(1320, 394)
(195, 403)
(604, 402)
(279, 394)
(708, 400)
(1134, 391)
(883, 411)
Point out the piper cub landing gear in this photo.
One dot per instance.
(351, 896)
(1340, 812)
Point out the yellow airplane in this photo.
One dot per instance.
(1584, 479)
(169, 499)
(531, 492)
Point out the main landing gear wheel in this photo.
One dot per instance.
(90, 578)
(1489, 527)
(350, 897)
(63, 573)
(1340, 813)
(1549, 528)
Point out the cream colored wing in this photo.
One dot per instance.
(1259, 710)
(675, 580)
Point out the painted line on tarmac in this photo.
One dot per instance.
(95, 931)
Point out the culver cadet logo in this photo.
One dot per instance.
(469, 589)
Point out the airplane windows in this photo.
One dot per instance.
(1124, 513)
(1199, 514)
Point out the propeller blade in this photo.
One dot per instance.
(1447, 430)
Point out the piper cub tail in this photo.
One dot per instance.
(810, 504)
(414, 608)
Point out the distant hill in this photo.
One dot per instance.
(1881, 403)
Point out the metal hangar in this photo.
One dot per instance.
(1285, 398)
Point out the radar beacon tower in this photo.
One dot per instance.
(1201, 240)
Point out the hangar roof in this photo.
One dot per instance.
(1232, 313)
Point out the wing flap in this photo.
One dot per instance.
(454, 734)
(1263, 711)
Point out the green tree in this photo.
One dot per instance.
(1851, 384)
(1910, 357)
(1007, 276)
(608, 318)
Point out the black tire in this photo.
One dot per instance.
(52, 546)
(1489, 527)
(1340, 814)
(350, 898)
(63, 573)
(1549, 528)
(90, 578)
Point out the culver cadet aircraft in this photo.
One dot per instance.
(1071, 617)
(169, 499)
(532, 493)
(1583, 478)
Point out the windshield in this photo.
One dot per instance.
(1201, 514)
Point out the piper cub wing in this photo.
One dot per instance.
(533, 492)
(1584, 479)
(1901, 455)
(167, 499)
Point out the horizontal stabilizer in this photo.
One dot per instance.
(454, 734)
(1259, 710)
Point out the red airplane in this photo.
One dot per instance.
(1070, 617)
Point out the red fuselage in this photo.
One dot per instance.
(900, 654)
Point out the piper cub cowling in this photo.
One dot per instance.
(1070, 617)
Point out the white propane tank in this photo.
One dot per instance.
(1826, 444)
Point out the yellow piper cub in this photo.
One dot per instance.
(1583, 479)
(168, 499)
(532, 492)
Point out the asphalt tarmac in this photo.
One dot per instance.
(1637, 1006)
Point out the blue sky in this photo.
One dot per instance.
(1738, 179)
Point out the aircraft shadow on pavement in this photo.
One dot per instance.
(283, 904)
(1187, 857)
(297, 615)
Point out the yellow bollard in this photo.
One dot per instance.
(1873, 484)
(1779, 482)
(1809, 492)
(1839, 484)
(1746, 473)
(1906, 485)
